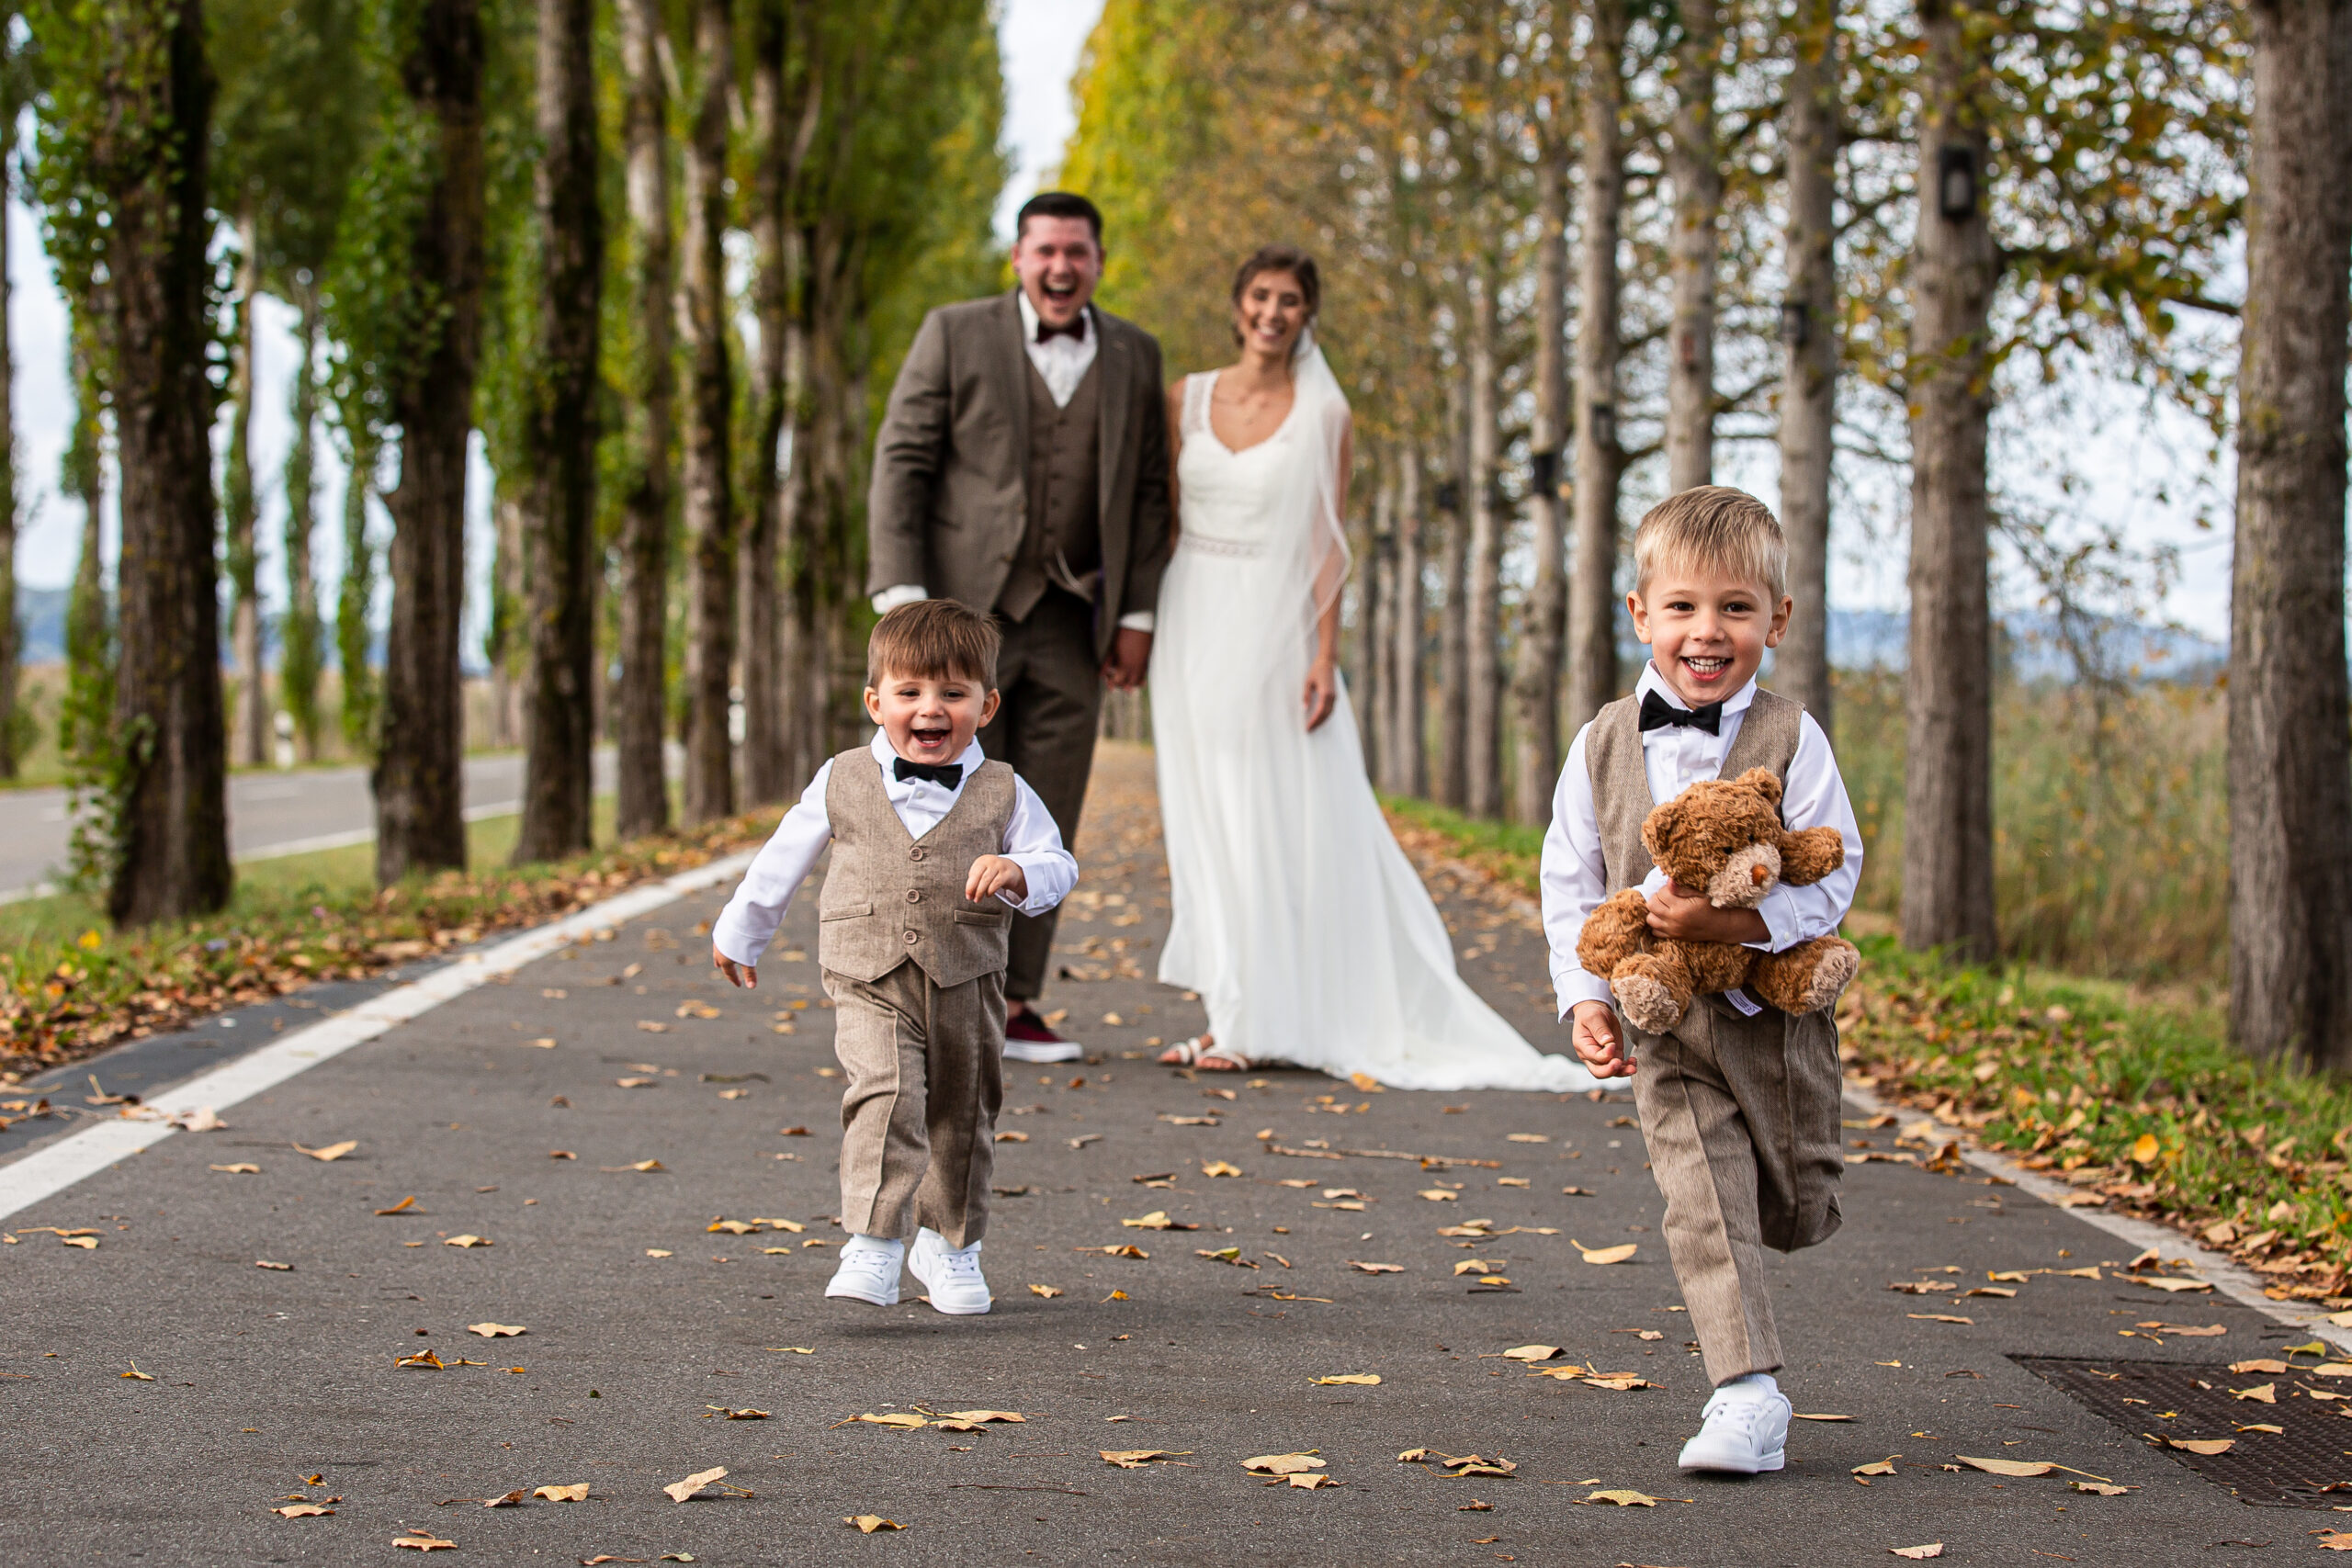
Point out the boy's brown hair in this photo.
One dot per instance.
(1713, 526)
(932, 638)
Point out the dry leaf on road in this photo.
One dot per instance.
(1158, 1220)
(2259, 1364)
(1048, 1291)
(650, 1026)
(496, 1330)
(1530, 1352)
(897, 1420)
(1526, 1138)
(403, 1207)
(333, 1151)
(302, 1510)
(1919, 1554)
(2334, 1540)
(1136, 1459)
(577, 1492)
(1940, 1317)
(2170, 1285)
(1224, 1255)
(135, 1375)
(1801, 1415)
(1376, 1268)
(514, 1499)
(1439, 1195)
(1605, 1253)
(2010, 1466)
(2206, 1446)
(1623, 1497)
(2098, 1488)
(2185, 1331)
(1882, 1467)
(240, 1168)
(2266, 1393)
(680, 1491)
(1220, 1168)
(1283, 1464)
(747, 1413)
(468, 1239)
(258, 1262)
(1367, 1378)
(423, 1542)
(869, 1522)
(1009, 1137)
(1308, 1482)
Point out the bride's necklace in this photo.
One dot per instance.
(1250, 414)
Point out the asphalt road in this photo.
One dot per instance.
(270, 814)
(644, 1324)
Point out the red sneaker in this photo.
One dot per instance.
(1028, 1038)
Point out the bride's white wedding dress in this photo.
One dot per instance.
(1297, 917)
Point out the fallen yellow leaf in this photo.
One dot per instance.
(1048, 1291)
(680, 1491)
(869, 1522)
(1623, 1497)
(2010, 1466)
(2206, 1446)
(423, 1542)
(1882, 1467)
(2264, 1393)
(333, 1151)
(1308, 1482)
(1529, 1352)
(301, 1510)
(1367, 1378)
(1919, 1554)
(1605, 1253)
(1376, 1268)
(238, 1169)
(1439, 1195)
(2144, 1148)
(1526, 1138)
(577, 1492)
(897, 1420)
(1220, 1168)
(1283, 1464)
(468, 1239)
(496, 1330)
(1136, 1459)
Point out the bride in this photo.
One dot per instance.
(1297, 919)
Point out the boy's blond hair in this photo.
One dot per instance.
(1713, 526)
(934, 638)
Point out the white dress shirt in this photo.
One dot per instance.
(1575, 881)
(1030, 843)
(1062, 360)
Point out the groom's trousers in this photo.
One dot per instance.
(1051, 687)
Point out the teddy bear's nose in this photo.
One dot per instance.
(1757, 875)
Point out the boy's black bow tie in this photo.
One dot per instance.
(948, 775)
(1657, 713)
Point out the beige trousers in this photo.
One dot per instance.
(926, 1078)
(1742, 1117)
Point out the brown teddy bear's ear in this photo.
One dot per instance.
(1764, 782)
(1657, 831)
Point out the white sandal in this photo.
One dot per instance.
(1217, 1058)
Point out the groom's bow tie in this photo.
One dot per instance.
(1659, 713)
(946, 774)
(1074, 328)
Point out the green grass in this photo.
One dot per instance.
(2071, 1074)
(69, 984)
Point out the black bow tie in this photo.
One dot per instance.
(1047, 331)
(1659, 713)
(946, 775)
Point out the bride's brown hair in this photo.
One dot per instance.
(1283, 258)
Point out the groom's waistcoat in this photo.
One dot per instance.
(1063, 534)
(890, 899)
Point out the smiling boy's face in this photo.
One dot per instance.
(930, 718)
(1707, 628)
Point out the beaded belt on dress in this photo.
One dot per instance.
(1220, 546)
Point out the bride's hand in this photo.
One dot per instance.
(1322, 691)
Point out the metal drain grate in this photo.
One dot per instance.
(2299, 1467)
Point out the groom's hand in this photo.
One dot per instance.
(1130, 659)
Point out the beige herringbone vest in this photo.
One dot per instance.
(1620, 784)
(890, 899)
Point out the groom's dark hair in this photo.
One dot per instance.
(1058, 204)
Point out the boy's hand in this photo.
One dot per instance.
(1598, 1043)
(1679, 915)
(994, 873)
(743, 977)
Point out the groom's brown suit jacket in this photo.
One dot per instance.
(949, 499)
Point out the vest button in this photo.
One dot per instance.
(913, 939)
(915, 853)
(914, 895)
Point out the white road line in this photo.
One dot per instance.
(2241, 1285)
(51, 1169)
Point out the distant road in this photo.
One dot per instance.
(270, 814)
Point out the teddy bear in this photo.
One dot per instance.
(1724, 836)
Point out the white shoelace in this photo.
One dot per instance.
(960, 1262)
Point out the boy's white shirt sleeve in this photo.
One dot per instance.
(1814, 797)
(1035, 844)
(1573, 879)
(743, 927)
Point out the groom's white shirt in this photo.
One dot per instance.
(1062, 360)
(1030, 843)
(1575, 881)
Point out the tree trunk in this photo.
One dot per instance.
(11, 634)
(1544, 613)
(86, 720)
(710, 396)
(420, 786)
(250, 727)
(172, 828)
(298, 640)
(1600, 462)
(2290, 768)
(769, 770)
(357, 709)
(1809, 335)
(507, 646)
(1409, 760)
(643, 805)
(1696, 169)
(1948, 688)
(1377, 639)
(560, 712)
(1454, 632)
(1482, 620)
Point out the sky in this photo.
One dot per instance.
(2124, 457)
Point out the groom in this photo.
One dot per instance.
(1023, 468)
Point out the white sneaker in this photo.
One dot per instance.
(952, 1273)
(1746, 1431)
(1043, 1051)
(868, 1270)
